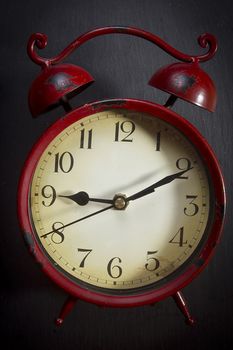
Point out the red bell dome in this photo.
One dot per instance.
(55, 83)
(187, 81)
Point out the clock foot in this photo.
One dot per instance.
(182, 305)
(66, 309)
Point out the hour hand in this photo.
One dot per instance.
(82, 198)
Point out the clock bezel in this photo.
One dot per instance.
(146, 296)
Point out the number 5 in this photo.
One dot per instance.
(153, 263)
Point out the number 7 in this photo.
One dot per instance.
(88, 251)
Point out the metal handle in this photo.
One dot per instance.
(40, 41)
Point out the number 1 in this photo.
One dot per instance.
(158, 138)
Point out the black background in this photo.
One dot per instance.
(121, 66)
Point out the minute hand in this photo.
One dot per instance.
(166, 180)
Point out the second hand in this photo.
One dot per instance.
(78, 220)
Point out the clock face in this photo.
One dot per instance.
(120, 201)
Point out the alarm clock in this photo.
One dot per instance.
(121, 201)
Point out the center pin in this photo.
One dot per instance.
(120, 201)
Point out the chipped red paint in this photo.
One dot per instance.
(146, 296)
(187, 81)
(55, 82)
(45, 94)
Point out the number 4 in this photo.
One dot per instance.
(179, 236)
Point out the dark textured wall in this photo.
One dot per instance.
(121, 66)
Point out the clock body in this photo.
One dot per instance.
(121, 202)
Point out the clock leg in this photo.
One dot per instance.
(182, 305)
(65, 104)
(66, 309)
(170, 102)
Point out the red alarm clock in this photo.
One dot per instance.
(121, 201)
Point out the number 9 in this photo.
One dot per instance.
(48, 191)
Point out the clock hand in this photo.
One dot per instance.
(147, 190)
(164, 181)
(82, 198)
(78, 220)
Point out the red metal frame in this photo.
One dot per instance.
(195, 267)
(58, 82)
(40, 41)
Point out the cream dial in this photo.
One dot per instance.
(121, 242)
